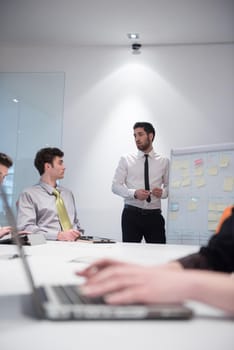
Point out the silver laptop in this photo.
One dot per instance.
(65, 302)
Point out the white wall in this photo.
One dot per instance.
(185, 91)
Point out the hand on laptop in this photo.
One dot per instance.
(69, 235)
(124, 283)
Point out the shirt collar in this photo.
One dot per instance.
(49, 189)
(141, 154)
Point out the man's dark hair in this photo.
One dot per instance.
(46, 155)
(149, 129)
(5, 160)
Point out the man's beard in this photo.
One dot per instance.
(144, 146)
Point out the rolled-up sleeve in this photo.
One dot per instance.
(119, 181)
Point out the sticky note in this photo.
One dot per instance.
(200, 181)
(228, 184)
(186, 181)
(224, 161)
(213, 171)
(199, 171)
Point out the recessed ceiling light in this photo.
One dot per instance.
(15, 100)
(133, 36)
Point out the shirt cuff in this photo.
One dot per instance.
(131, 193)
(52, 236)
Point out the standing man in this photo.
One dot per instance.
(47, 207)
(142, 180)
(5, 164)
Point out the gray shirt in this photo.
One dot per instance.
(37, 210)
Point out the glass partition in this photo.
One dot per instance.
(31, 115)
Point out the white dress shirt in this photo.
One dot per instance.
(37, 210)
(129, 177)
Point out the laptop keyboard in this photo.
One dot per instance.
(70, 294)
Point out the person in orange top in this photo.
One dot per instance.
(226, 213)
(218, 255)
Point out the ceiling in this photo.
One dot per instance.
(107, 22)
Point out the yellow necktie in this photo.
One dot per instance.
(62, 212)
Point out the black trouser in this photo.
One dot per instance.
(138, 223)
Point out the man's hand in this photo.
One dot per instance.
(157, 192)
(141, 194)
(124, 283)
(69, 235)
(8, 229)
(4, 230)
(24, 233)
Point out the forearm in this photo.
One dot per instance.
(213, 288)
(175, 265)
(119, 181)
(32, 228)
(122, 190)
(27, 222)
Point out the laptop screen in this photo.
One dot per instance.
(12, 222)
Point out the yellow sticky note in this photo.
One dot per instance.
(184, 164)
(213, 216)
(221, 206)
(175, 184)
(186, 182)
(185, 172)
(199, 171)
(224, 161)
(192, 205)
(213, 171)
(212, 206)
(228, 184)
(212, 225)
(200, 181)
(176, 165)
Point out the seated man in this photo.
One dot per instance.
(177, 281)
(5, 164)
(46, 207)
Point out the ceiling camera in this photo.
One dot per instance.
(136, 46)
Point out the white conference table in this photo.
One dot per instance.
(56, 262)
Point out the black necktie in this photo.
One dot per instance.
(146, 175)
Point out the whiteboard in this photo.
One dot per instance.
(201, 186)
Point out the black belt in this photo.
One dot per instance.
(141, 210)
